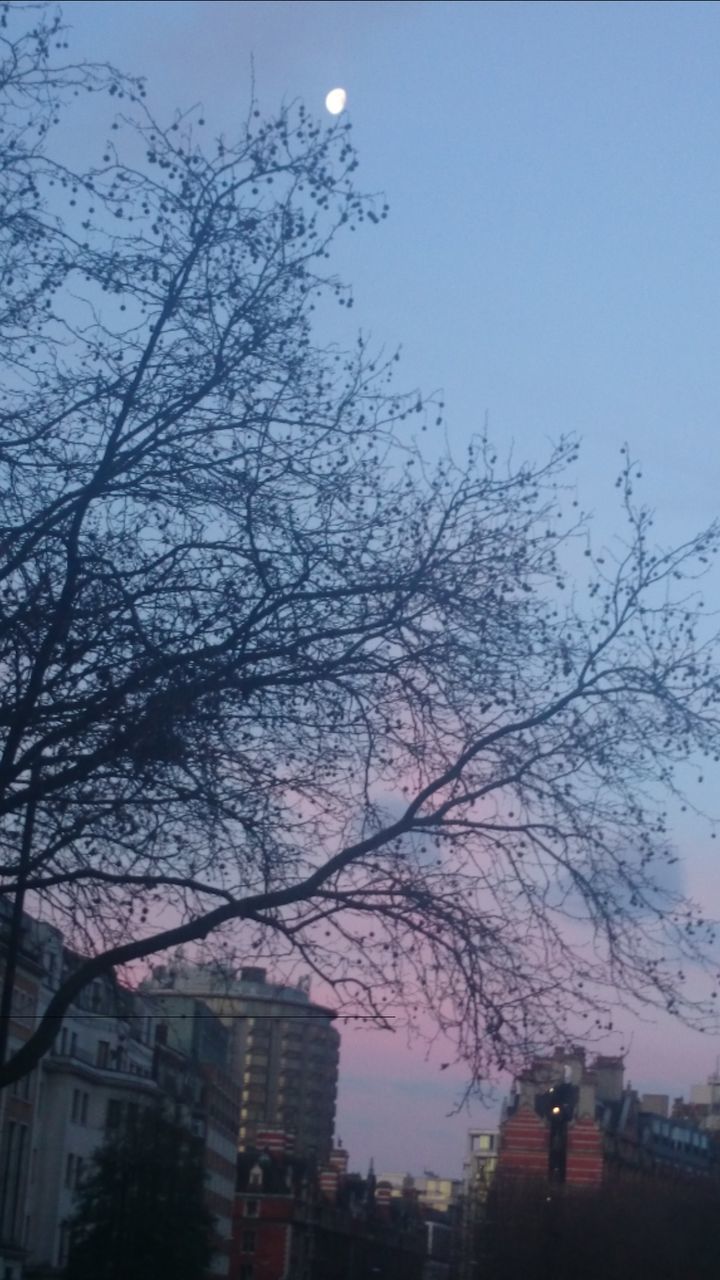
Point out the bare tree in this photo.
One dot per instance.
(267, 673)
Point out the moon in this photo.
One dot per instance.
(336, 101)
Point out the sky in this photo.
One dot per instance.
(551, 262)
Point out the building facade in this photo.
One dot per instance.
(479, 1166)
(285, 1050)
(431, 1190)
(295, 1220)
(569, 1123)
(552, 1126)
(191, 1064)
(99, 1068)
(19, 1103)
(225, 1060)
(116, 1055)
(594, 1179)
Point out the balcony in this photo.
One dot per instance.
(78, 1060)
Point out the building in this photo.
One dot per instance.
(219, 1057)
(284, 1055)
(295, 1220)
(438, 1246)
(595, 1179)
(18, 1104)
(703, 1109)
(431, 1190)
(192, 1054)
(117, 1053)
(551, 1128)
(100, 1068)
(436, 1201)
(479, 1167)
(570, 1123)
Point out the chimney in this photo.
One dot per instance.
(609, 1072)
(328, 1184)
(587, 1090)
(251, 974)
(339, 1160)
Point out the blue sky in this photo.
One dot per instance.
(552, 253)
(552, 260)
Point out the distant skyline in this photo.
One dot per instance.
(552, 261)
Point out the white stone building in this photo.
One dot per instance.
(100, 1065)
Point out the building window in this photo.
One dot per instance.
(248, 1242)
(80, 1106)
(63, 1244)
(113, 1115)
(251, 1208)
(70, 1171)
(63, 1040)
(246, 1271)
(21, 1088)
(103, 1053)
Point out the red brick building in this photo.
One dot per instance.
(296, 1221)
(570, 1123)
(551, 1126)
(594, 1180)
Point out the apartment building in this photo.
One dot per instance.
(285, 1050)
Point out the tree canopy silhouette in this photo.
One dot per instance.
(266, 671)
(141, 1209)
